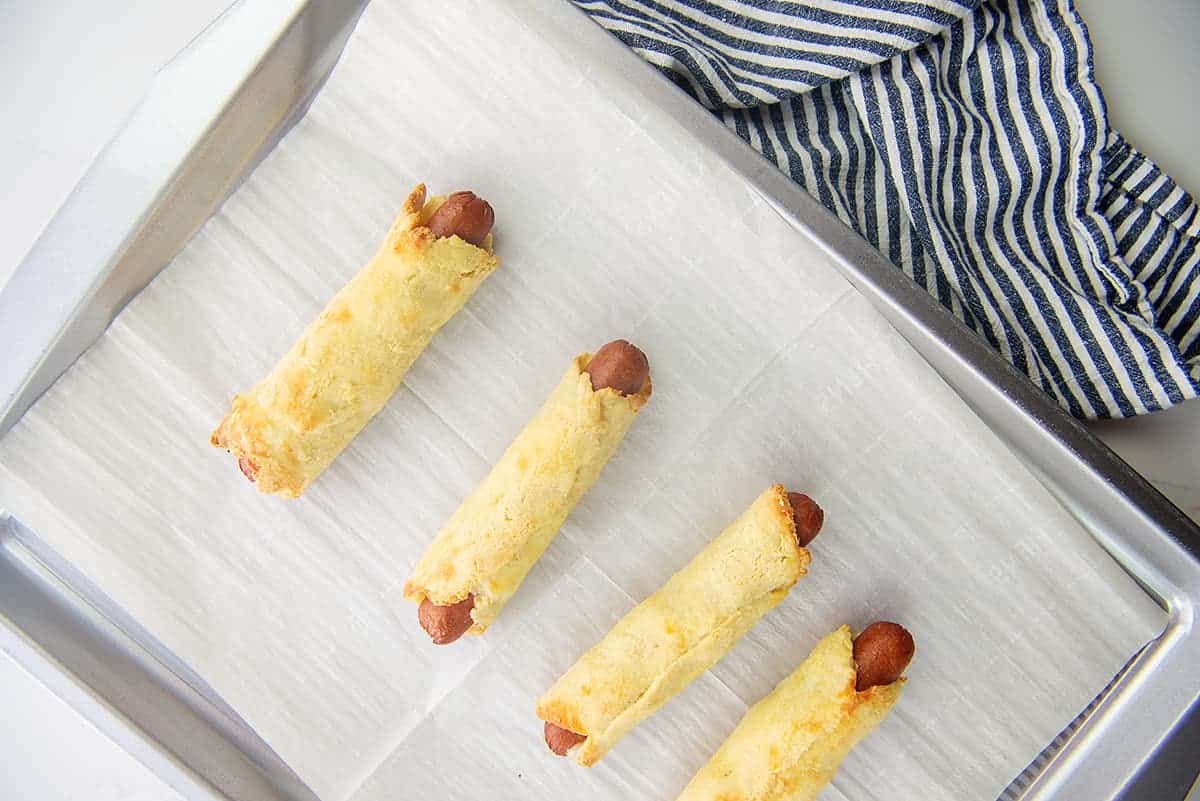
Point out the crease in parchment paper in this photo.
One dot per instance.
(767, 368)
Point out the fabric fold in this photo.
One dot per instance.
(969, 143)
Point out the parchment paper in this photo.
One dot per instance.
(767, 367)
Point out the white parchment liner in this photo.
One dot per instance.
(767, 367)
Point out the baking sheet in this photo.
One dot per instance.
(767, 367)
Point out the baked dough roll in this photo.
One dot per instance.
(789, 744)
(682, 629)
(481, 555)
(350, 360)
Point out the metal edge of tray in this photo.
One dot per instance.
(102, 664)
(1154, 707)
(1147, 535)
(207, 118)
(209, 115)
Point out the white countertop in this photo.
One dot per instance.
(72, 70)
(38, 732)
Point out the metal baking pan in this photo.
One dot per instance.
(223, 103)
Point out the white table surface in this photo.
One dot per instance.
(72, 70)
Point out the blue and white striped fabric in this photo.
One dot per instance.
(967, 140)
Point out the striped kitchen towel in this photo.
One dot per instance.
(968, 141)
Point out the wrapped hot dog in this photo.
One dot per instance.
(682, 629)
(350, 360)
(789, 745)
(481, 555)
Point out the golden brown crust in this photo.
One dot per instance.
(353, 356)
(681, 630)
(789, 745)
(500, 530)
